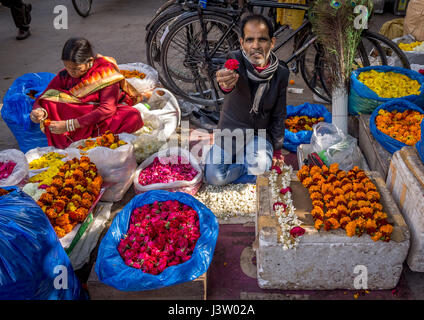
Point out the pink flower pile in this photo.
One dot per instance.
(160, 235)
(6, 169)
(161, 172)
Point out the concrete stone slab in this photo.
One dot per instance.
(377, 157)
(405, 181)
(326, 260)
(193, 290)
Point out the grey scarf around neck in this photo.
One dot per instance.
(262, 78)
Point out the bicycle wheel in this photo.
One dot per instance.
(155, 36)
(374, 49)
(82, 7)
(188, 71)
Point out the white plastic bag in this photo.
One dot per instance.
(414, 57)
(166, 107)
(80, 254)
(325, 135)
(37, 153)
(116, 166)
(20, 172)
(142, 85)
(333, 146)
(148, 142)
(190, 187)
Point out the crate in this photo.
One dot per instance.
(378, 158)
(326, 260)
(406, 183)
(192, 290)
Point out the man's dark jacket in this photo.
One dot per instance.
(272, 109)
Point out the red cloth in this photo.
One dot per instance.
(108, 112)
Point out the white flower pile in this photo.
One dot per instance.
(286, 217)
(147, 143)
(419, 48)
(32, 190)
(232, 200)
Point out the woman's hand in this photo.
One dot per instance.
(37, 115)
(58, 127)
(278, 161)
(226, 78)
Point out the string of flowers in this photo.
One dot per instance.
(284, 208)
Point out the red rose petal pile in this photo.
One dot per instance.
(160, 235)
(158, 172)
(6, 169)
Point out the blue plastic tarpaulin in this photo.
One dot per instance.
(112, 270)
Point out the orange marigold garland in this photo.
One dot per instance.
(74, 189)
(347, 200)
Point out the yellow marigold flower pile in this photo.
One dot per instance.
(300, 123)
(345, 199)
(389, 84)
(403, 126)
(46, 177)
(70, 195)
(45, 160)
(409, 46)
(108, 140)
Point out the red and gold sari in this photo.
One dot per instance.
(101, 100)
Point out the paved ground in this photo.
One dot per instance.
(116, 28)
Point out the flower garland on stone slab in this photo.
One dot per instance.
(229, 201)
(279, 180)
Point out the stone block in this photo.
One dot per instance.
(192, 290)
(377, 157)
(405, 181)
(326, 260)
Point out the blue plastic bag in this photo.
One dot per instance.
(420, 144)
(17, 106)
(390, 144)
(32, 260)
(362, 100)
(112, 270)
(293, 140)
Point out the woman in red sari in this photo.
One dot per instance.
(86, 99)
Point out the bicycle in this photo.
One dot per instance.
(196, 43)
(82, 7)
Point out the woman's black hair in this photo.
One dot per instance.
(77, 50)
(260, 19)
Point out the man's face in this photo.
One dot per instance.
(256, 43)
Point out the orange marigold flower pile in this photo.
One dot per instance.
(345, 199)
(301, 123)
(68, 199)
(132, 74)
(402, 126)
(3, 192)
(108, 140)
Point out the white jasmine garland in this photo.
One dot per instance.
(232, 200)
(287, 217)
